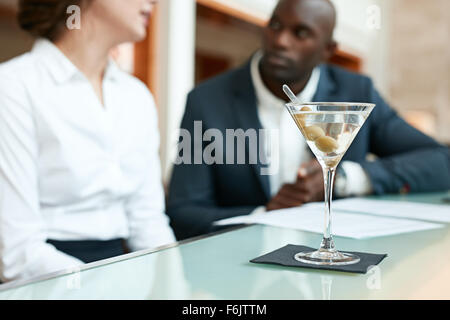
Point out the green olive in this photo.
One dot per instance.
(331, 163)
(300, 118)
(326, 144)
(313, 132)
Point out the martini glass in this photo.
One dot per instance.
(329, 128)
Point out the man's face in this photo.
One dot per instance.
(297, 38)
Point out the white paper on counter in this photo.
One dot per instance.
(397, 209)
(351, 225)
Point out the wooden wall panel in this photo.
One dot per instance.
(145, 57)
(256, 20)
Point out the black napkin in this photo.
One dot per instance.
(285, 257)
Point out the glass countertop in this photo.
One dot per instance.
(217, 267)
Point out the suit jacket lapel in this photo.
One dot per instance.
(327, 86)
(245, 108)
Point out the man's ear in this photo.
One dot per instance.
(330, 50)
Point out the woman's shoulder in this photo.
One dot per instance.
(14, 75)
(17, 66)
(17, 72)
(14, 97)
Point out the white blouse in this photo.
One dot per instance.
(72, 168)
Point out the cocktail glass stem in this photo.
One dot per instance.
(327, 253)
(328, 177)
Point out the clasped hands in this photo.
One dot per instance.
(308, 187)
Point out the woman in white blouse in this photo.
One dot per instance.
(79, 166)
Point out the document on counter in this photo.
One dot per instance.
(397, 209)
(350, 225)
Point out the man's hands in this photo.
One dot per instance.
(307, 188)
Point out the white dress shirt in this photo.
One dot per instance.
(72, 168)
(273, 115)
(292, 146)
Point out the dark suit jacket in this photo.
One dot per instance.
(200, 194)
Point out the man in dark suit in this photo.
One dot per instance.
(296, 42)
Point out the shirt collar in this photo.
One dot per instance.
(60, 67)
(267, 98)
(112, 70)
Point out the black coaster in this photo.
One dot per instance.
(285, 257)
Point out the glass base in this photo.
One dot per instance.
(327, 258)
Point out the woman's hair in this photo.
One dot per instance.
(44, 18)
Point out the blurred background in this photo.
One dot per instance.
(402, 44)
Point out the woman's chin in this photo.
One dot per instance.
(139, 35)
